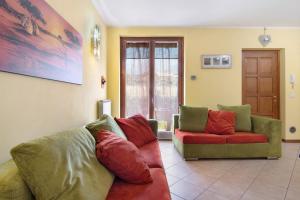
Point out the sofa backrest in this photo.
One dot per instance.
(107, 122)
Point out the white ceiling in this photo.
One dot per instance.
(203, 13)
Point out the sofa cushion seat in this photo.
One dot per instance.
(244, 137)
(158, 189)
(199, 138)
(151, 154)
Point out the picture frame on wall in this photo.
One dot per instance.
(37, 41)
(220, 61)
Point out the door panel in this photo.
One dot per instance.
(261, 82)
(253, 102)
(266, 106)
(266, 66)
(251, 66)
(266, 86)
(251, 86)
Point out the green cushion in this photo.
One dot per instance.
(12, 185)
(243, 116)
(106, 122)
(63, 166)
(192, 119)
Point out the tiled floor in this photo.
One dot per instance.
(250, 179)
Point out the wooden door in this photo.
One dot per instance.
(261, 82)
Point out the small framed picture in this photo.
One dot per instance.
(207, 61)
(216, 61)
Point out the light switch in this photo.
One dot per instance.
(193, 77)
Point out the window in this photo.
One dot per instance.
(152, 78)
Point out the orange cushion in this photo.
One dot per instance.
(244, 137)
(220, 122)
(151, 154)
(199, 138)
(158, 189)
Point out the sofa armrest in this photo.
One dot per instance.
(270, 127)
(154, 126)
(175, 123)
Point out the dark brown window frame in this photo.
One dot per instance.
(151, 41)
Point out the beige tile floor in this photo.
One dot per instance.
(245, 179)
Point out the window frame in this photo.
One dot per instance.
(151, 41)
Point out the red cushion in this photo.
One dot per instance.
(137, 130)
(199, 138)
(220, 122)
(122, 158)
(151, 154)
(158, 189)
(241, 138)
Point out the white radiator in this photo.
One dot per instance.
(164, 135)
(104, 107)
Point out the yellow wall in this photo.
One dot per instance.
(32, 107)
(222, 85)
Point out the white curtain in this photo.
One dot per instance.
(166, 65)
(166, 83)
(137, 79)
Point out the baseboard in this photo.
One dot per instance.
(290, 141)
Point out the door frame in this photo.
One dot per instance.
(278, 52)
(151, 41)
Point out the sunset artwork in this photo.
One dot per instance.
(36, 41)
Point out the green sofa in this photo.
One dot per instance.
(82, 144)
(267, 126)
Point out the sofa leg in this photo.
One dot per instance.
(272, 158)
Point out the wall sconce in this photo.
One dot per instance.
(96, 41)
(103, 81)
(264, 39)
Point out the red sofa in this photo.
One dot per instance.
(158, 189)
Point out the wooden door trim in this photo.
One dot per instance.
(151, 41)
(278, 81)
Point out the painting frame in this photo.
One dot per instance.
(37, 41)
(217, 61)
